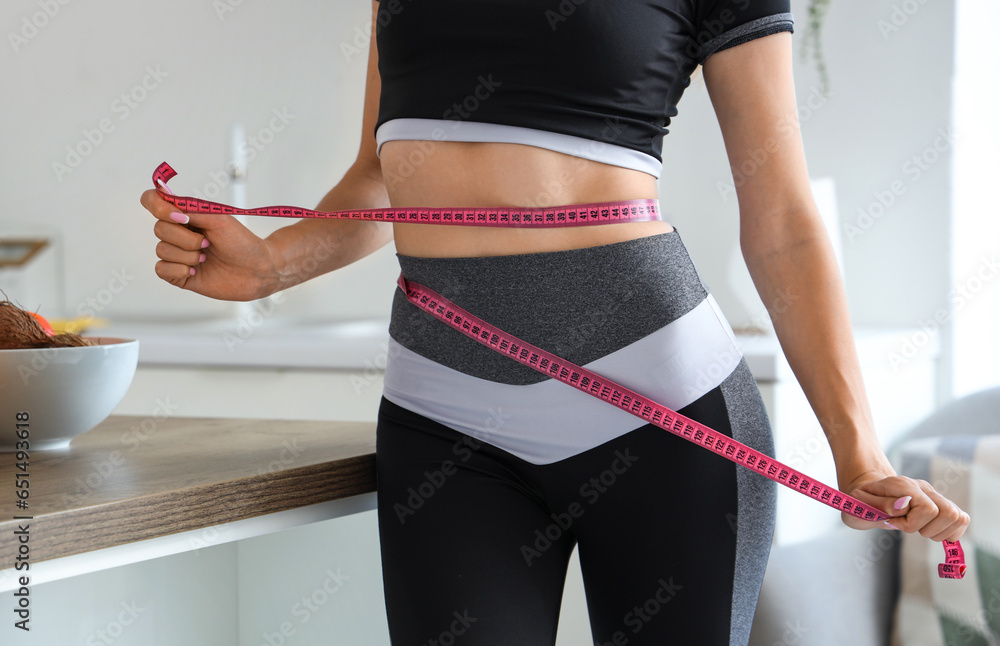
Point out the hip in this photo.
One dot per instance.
(636, 312)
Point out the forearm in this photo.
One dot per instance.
(312, 247)
(794, 269)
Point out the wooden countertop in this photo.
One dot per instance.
(135, 478)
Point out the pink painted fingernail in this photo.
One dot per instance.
(179, 217)
(165, 187)
(204, 243)
(902, 502)
(201, 258)
(891, 525)
(192, 271)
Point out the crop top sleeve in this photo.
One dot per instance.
(594, 78)
(722, 24)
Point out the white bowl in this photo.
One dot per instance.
(64, 391)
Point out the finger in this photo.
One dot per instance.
(175, 254)
(173, 272)
(165, 211)
(949, 519)
(180, 236)
(155, 204)
(957, 529)
(951, 532)
(894, 495)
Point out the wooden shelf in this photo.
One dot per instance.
(134, 478)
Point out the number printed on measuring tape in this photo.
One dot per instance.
(553, 366)
(558, 216)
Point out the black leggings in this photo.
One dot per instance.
(475, 541)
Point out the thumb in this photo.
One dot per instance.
(891, 495)
(214, 225)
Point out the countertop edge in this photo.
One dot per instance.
(100, 526)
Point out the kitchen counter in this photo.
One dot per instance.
(133, 481)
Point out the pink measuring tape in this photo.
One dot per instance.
(551, 365)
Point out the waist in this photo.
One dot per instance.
(441, 173)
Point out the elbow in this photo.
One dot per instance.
(368, 168)
(780, 231)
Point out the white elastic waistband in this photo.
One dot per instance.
(550, 421)
(475, 131)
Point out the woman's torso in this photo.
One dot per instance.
(439, 173)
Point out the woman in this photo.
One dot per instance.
(489, 473)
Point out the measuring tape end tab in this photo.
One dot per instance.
(165, 172)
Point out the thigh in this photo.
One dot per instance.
(456, 524)
(673, 540)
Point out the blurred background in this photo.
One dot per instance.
(260, 102)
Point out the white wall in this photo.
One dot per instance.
(888, 99)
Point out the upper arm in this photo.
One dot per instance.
(753, 93)
(367, 158)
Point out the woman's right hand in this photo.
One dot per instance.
(210, 254)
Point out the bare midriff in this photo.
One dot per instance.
(461, 174)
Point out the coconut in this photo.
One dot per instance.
(19, 330)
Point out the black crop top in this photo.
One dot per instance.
(608, 71)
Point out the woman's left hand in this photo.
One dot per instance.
(915, 506)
